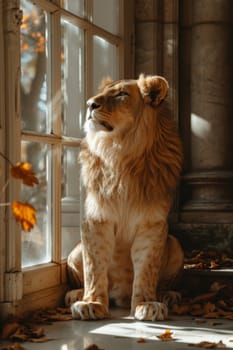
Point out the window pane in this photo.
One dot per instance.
(106, 15)
(70, 200)
(73, 111)
(34, 75)
(36, 245)
(74, 6)
(105, 58)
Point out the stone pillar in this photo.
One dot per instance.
(209, 175)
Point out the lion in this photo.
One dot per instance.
(131, 160)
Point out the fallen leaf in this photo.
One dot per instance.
(214, 323)
(25, 214)
(15, 346)
(166, 336)
(23, 171)
(141, 340)
(209, 345)
(20, 334)
(8, 329)
(93, 347)
(40, 340)
(213, 265)
(64, 310)
(181, 309)
(204, 297)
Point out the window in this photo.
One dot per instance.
(66, 48)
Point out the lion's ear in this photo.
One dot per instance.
(153, 89)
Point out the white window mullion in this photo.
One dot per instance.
(55, 28)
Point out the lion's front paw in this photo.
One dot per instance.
(151, 311)
(88, 310)
(73, 295)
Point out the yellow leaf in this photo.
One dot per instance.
(23, 171)
(25, 214)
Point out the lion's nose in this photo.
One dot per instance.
(92, 104)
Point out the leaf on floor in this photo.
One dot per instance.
(209, 259)
(49, 316)
(209, 345)
(217, 302)
(93, 347)
(166, 336)
(20, 330)
(141, 340)
(8, 329)
(15, 346)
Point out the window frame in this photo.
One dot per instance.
(43, 285)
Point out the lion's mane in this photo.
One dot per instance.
(144, 161)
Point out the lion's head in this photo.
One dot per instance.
(120, 105)
(129, 128)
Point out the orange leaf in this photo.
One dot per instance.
(25, 214)
(23, 171)
(166, 336)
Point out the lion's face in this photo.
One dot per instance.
(119, 104)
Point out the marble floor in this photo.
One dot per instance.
(121, 332)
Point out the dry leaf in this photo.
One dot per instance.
(209, 345)
(25, 214)
(93, 347)
(35, 332)
(166, 336)
(209, 307)
(15, 346)
(60, 317)
(213, 265)
(141, 340)
(181, 309)
(19, 334)
(8, 329)
(204, 297)
(214, 323)
(23, 171)
(64, 310)
(39, 340)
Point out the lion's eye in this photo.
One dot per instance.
(122, 94)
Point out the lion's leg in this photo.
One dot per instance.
(75, 275)
(147, 251)
(98, 244)
(171, 270)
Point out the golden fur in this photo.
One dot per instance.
(131, 160)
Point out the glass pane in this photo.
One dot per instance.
(70, 200)
(34, 57)
(74, 6)
(36, 245)
(106, 15)
(73, 97)
(105, 58)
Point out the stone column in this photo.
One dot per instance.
(209, 178)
